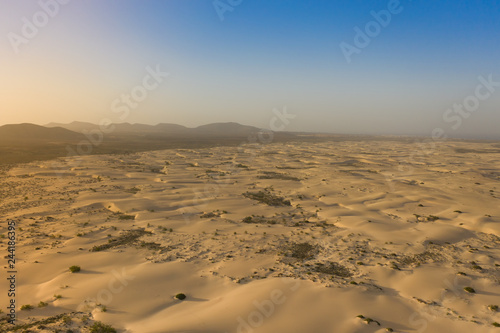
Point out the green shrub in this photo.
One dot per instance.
(99, 327)
(74, 269)
(180, 296)
(369, 320)
(27, 307)
(469, 290)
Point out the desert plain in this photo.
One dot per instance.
(316, 237)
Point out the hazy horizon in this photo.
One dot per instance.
(200, 62)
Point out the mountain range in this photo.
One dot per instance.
(215, 129)
(26, 142)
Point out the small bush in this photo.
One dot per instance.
(27, 307)
(209, 215)
(74, 269)
(99, 327)
(493, 308)
(395, 266)
(495, 324)
(369, 320)
(258, 220)
(469, 290)
(180, 296)
(42, 304)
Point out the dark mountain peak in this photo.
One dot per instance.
(30, 132)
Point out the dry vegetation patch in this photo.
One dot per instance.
(267, 198)
(333, 268)
(276, 175)
(129, 237)
(300, 251)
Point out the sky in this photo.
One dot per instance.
(350, 67)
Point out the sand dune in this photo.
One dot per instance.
(285, 237)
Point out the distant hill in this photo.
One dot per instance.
(122, 128)
(216, 129)
(76, 126)
(171, 128)
(226, 129)
(30, 133)
(28, 142)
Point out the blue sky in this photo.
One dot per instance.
(262, 55)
